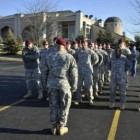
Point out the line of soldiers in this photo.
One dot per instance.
(62, 69)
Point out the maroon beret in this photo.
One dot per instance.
(61, 41)
(28, 42)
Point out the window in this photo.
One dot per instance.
(71, 31)
(68, 31)
(65, 31)
(88, 33)
(87, 30)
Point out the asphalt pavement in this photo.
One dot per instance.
(29, 119)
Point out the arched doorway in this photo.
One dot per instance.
(4, 32)
(29, 32)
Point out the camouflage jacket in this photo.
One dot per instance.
(71, 51)
(60, 71)
(42, 57)
(86, 59)
(119, 66)
(30, 57)
(126, 52)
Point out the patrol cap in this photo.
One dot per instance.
(28, 42)
(61, 41)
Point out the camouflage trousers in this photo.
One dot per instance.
(98, 80)
(107, 75)
(59, 103)
(119, 82)
(87, 79)
(32, 75)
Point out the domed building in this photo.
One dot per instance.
(67, 24)
(114, 24)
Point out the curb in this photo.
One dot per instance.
(10, 59)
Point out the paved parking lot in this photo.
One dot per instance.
(29, 119)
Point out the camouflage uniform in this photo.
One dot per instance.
(52, 49)
(102, 69)
(71, 51)
(134, 57)
(96, 74)
(118, 67)
(61, 74)
(127, 53)
(86, 59)
(107, 71)
(43, 55)
(31, 63)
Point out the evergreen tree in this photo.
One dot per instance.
(1, 40)
(11, 44)
(100, 37)
(109, 37)
(20, 43)
(127, 40)
(137, 43)
(80, 37)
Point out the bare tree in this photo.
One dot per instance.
(135, 20)
(40, 16)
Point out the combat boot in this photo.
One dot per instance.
(90, 102)
(122, 106)
(28, 95)
(63, 130)
(96, 95)
(112, 104)
(100, 90)
(40, 95)
(78, 101)
(54, 129)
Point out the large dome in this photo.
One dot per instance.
(113, 19)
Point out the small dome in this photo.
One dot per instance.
(113, 19)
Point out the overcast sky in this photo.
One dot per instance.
(102, 9)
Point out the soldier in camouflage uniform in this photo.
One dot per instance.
(102, 68)
(134, 57)
(52, 48)
(75, 46)
(86, 59)
(109, 51)
(68, 48)
(96, 68)
(43, 54)
(125, 51)
(62, 77)
(30, 56)
(119, 64)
